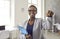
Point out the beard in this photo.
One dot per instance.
(32, 16)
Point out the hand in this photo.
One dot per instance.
(28, 36)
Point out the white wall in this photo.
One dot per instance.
(21, 13)
(54, 5)
(42, 9)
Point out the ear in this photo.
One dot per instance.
(36, 12)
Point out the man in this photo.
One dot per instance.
(33, 25)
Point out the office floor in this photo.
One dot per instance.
(50, 35)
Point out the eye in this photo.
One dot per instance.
(32, 10)
(29, 10)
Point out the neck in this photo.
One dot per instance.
(32, 19)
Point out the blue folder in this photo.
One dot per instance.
(23, 31)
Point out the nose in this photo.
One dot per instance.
(32, 11)
(31, 14)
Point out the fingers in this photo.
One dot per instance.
(28, 37)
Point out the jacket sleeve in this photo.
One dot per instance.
(42, 29)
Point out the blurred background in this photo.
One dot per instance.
(15, 12)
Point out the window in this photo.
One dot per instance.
(7, 12)
(4, 12)
(37, 3)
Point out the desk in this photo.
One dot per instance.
(4, 34)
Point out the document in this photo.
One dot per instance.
(23, 31)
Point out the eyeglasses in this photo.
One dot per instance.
(32, 10)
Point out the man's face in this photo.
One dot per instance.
(32, 11)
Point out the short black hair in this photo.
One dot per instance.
(33, 6)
